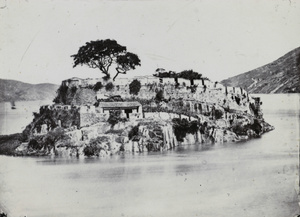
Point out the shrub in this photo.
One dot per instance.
(253, 108)
(61, 96)
(183, 126)
(240, 130)
(48, 141)
(193, 127)
(115, 117)
(95, 146)
(34, 144)
(193, 89)
(133, 133)
(109, 86)
(134, 87)
(91, 150)
(73, 89)
(8, 143)
(218, 113)
(98, 86)
(159, 96)
(52, 137)
(256, 127)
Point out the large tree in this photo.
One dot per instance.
(126, 62)
(102, 54)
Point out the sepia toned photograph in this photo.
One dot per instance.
(146, 108)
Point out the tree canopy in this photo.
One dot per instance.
(190, 74)
(186, 74)
(102, 54)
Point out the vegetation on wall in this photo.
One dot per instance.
(159, 96)
(62, 95)
(183, 126)
(98, 86)
(8, 143)
(109, 86)
(115, 117)
(243, 130)
(134, 87)
(48, 141)
(186, 74)
(67, 118)
(218, 114)
(74, 95)
(96, 145)
(133, 133)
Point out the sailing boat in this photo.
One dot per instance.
(13, 105)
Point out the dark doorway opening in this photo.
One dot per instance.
(127, 112)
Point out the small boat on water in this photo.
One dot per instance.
(13, 105)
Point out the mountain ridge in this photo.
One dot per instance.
(13, 90)
(279, 76)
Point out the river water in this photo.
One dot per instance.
(15, 120)
(254, 178)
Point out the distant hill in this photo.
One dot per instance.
(11, 90)
(280, 76)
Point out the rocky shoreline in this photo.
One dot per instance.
(146, 135)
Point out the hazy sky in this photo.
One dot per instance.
(216, 38)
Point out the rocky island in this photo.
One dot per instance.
(147, 113)
(104, 116)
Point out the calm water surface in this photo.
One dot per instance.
(15, 120)
(253, 178)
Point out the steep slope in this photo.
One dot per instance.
(11, 90)
(280, 76)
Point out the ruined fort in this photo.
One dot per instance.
(206, 97)
(221, 113)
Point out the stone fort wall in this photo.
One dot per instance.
(201, 97)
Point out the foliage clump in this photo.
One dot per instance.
(8, 143)
(186, 74)
(133, 133)
(96, 145)
(115, 117)
(218, 114)
(159, 96)
(61, 95)
(243, 130)
(48, 141)
(98, 86)
(183, 126)
(134, 87)
(74, 95)
(109, 86)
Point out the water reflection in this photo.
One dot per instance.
(253, 178)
